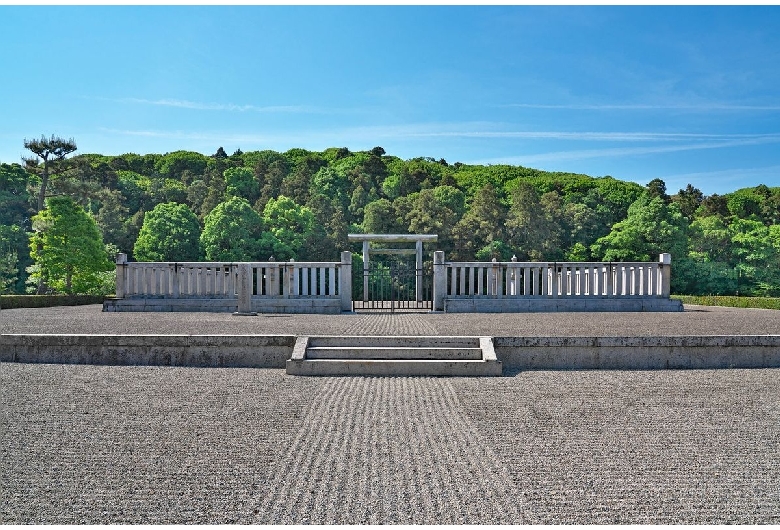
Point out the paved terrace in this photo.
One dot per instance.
(126, 444)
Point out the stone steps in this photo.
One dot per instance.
(394, 356)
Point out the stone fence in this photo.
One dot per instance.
(552, 286)
(244, 288)
(326, 287)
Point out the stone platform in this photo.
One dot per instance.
(697, 338)
(86, 444)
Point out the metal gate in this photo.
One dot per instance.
(393, 285)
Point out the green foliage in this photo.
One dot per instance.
(112, 218)
(756, 249)
(67, 248)
(531, 233)
(233, 231)
(744, 203)
(380, 218)
(290, 224)
(14, 258)
(497, 250)
(731, 301)
(436, 211)
(478, 211)
(173, 165)
(482, 227)
(651, 228)
(16, 301)
(9, 270)
(14, 197)
(170, 232)
(241, 182)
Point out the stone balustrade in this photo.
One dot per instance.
(553, 286)
(244, 287)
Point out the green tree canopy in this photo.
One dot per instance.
(170, 233)
(651, 228)
(233, 231)
(52, 151)
(67, 248)
(482, 226)
(14, 198)
(531, 233)
(241, 182)
(290, 224)
(173, 165)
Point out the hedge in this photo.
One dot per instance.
(731, 301)
(15, 301)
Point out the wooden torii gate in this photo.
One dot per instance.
(417, 239)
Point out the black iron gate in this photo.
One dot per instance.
(393, 285)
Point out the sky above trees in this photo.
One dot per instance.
(684, 94)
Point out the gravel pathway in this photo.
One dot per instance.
(696, 320)
(107, 444)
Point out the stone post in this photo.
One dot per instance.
(512, 289)
(345, 281)
(121, 266)
(365, 270)
(293, 279)
(418, 247)
(665, 267)
(244, 290)
(175, 287)
(439, 280)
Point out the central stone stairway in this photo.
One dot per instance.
(394, 356)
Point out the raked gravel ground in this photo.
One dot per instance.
(102, 444)
(696, 320)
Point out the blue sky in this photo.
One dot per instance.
(686, 94)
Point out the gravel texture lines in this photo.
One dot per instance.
(98, 445)
(696, 320)
(659, 447)
(390, 324)
(379, 450)
(110, 444)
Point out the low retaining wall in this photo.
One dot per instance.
(550, 305)
(515, 353)
(638, 353)
(234, 351)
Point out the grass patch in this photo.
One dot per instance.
(731, 301)
(16, 301)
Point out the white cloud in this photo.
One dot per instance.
(185, 104)
(611, 152)
(705, 107)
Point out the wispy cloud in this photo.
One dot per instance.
(195, 105)
(671, 141)
(704, 107)
(769, 174)
(594, 136)
(611, 152)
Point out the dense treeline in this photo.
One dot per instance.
(186, 206)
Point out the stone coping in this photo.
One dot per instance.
(516, 353)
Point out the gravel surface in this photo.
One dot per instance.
(106, 444)
(696, 320)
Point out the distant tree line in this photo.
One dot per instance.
(55, 211)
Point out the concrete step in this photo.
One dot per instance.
(393, 353)
(396, 368)
(394, 356)
(400, 341)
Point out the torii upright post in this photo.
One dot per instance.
(418, 247)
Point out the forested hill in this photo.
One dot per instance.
(300, 204)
